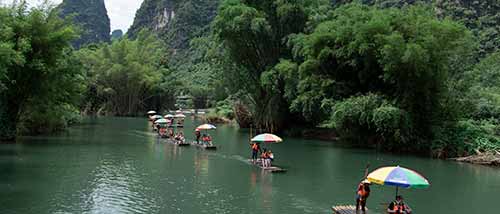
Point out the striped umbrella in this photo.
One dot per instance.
(180, 116)
(206, 127)
(399, 177)
(161, 121)
(267, 138)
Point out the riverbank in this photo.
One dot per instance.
(484, 158)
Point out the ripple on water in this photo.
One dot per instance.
(117, 189)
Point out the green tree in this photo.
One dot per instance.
(126, 76)
(483, 94)
(401, 55)
(255, 34)
(34, 44)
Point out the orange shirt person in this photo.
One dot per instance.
(362, 194)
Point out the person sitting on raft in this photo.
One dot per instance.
(398, 206)
(163, 132)
(180, 138)
(265, 159)
(209, 140)
(255, 152)
(271, 156)
(171, 133)
(362, 194)
(204, 139)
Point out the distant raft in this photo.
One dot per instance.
(176, 142)
(204, 146)
(273, 169)
(347, 209)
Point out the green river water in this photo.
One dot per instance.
(117, 165)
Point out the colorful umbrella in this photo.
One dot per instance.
(180, 116)
(399, 177)
(206, 127)
(151, 112)
(267, 138)
(161, 121)
(168, 116)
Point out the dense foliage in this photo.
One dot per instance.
(184, 26)
(401, 55)
(127, 76)
(402, 75)
(481, 17)
(254, 33)
(376, 74)
(40, 79)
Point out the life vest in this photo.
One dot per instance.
(264, 155)
(255, 147)
(362, 191)
(398, 207)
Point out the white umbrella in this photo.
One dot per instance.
(180, 116)
(161, 121)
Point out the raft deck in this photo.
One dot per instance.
(347, 209)
(178, 144)
(204, 146)
(273, 169)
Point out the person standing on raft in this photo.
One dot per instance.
(362, 195)
(255, 151)
(198, 136)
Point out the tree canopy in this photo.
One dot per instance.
(36, 64)
(126, 76)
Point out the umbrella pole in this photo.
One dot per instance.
(397, 190)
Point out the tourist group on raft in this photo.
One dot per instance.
(168, 126)
(266, 156)
(396, 176)
(171, 127)
(398, 206)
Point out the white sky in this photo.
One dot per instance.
(120, 12)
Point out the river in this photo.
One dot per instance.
(117, 165)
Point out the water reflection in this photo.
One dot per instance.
(117, 165)
(116, 189)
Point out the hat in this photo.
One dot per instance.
(366, 181)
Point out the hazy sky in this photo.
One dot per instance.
(120, 12)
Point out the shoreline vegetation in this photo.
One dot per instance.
(414, 78)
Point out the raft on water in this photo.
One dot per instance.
(204, 146)
(178, 143)
(273, 169)
(347, 209)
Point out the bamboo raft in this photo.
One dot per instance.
(178, 144)
(272, 169)
(204, 146)
(347, 209)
